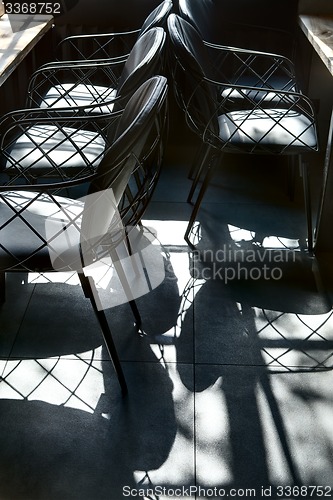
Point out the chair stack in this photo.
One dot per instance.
(79, 165)
(95, 127)
(232, 102)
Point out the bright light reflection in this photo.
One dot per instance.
(213, 466)
(169, 232)
(239, 234)
(72, 382)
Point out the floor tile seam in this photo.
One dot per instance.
(275, 369)
(268, 368)
(194, 392)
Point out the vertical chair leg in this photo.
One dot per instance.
(307, 202)
(2, 287)
(210, 171)
(126, 287)
(200, 158)
(89, 288)
(198, 168)
(291, 177)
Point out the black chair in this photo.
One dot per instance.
(78, 84)
(70, 141)
(274, 122)
(239, 66)
(256, 25)
(41, 230)
(266, 66)
(110, 45)
(63, 143)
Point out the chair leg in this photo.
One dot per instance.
(291, 178)
(200, 158)
(89, 291)
(307, 202)
(214, 160)
(197, 169)
(2, 287)
(124, 283)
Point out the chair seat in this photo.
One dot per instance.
(70, 95)
(29, 240)
(49, 149)
(270, 130)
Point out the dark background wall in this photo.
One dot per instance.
(116, 14)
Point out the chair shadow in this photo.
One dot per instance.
(56, 451)
(80, 450)
(231, 345)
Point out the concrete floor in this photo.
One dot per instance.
(230, 391)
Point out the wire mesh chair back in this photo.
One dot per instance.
(137, 153)
(71, 85)
(70, 142)
(28, 243)
(187, 61)
(110, 45)
(265, 120)
(255, 25)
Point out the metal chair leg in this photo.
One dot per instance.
(307, 201)
(197, 169)
(2, 287)
(90, 291)
(291, 177)
(125, 284)
(210, 171)
(200, 158)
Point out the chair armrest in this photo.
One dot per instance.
(96, 46)
(57, 135)
(51, 75)
(235, 64)
(51, 186)
(216, 98)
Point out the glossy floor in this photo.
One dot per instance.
(231, 389)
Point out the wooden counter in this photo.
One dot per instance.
(319, 32)
(318, 29)
(14, 46)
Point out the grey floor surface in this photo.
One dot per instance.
(231, 389)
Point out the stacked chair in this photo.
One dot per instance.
(94, 128)
(255, 25)
(110, 45)
(236, 115)
(85, 232)
(241, 64)
(89, 83)
(100, 66)
(67, 135)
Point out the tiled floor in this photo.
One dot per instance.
(231, 390)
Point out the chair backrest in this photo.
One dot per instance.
(157, 17)
(255, 24)
(189, 68)
(130, 168)
(144, 61)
